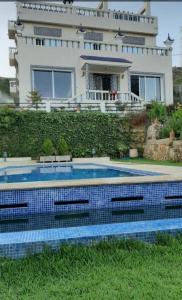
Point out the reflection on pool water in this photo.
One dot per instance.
(89, 217)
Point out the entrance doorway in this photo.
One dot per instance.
(105, 84)
(102, 82)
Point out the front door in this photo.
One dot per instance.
(102, 82)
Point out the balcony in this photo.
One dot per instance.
(11, 29)
(99, 47)
(89, 17)
(12, 56)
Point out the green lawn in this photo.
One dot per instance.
(108, 271)
(149, 161)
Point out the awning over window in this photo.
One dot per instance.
(105, 58)
(105, 64)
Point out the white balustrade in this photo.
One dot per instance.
(89, 12)
(94, 46)
(97, 100)
(12, 50)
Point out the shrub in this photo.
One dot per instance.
(62, 147)
(122, 149)
(26, 131)
(47, 147)
(174, 123)
(157, 111)
(35, 98)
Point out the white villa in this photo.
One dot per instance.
(91, 56)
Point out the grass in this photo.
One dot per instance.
(112, 270)
(149, 161)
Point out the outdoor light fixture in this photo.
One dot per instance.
(169, 41)
(18, 22)
(67, 1)
(19, 26)
(5, 155)
(81, 29)
(119, 35)
(93, 152)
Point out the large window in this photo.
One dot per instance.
(53, 84)
(147, 87)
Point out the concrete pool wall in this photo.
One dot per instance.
(53, 199)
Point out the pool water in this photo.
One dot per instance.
(89, 217)
(54, 172)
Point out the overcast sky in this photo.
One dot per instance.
(169, 16)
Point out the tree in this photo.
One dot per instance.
(47, 147)
(35, 98)
(62, 147)
(4, 86)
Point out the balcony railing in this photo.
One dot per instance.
(51, 42)
(96, 46)
(12, 52)
(102, 101)
(89, 12)
(110, 96)
(13, 86)
(11, 29)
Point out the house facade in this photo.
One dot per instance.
(72, 54)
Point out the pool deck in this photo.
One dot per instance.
(169, 174)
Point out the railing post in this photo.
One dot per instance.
(87, 80)
(48, 106)
(102, 106)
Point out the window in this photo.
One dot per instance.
(53, 84)
(93, 36)
(47, 31)
(40, 42)
(150, 83)
(87, 46)
(135, 84)
(43, 83)
(96, 46)
(62, 85)
(147, 87)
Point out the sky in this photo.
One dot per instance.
(169, 15)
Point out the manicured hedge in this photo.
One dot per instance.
(23, 133)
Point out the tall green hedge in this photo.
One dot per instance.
(23, 133)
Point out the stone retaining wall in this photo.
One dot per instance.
(163, 149)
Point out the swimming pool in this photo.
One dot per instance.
(54, 172)
(78, 203)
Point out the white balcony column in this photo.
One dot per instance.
(103, 106)
(147, 7)
(48, 106)
(87, 80)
